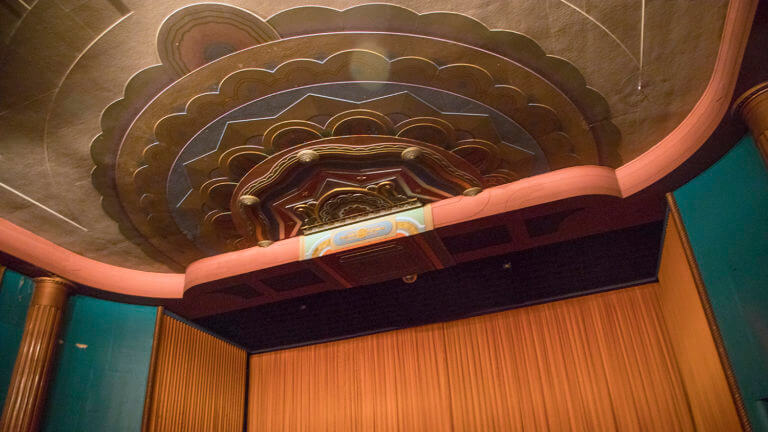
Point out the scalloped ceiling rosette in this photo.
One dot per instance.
(240, 101)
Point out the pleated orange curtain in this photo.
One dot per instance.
(197, 383)
(596, 363)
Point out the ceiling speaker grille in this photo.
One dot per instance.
(292, 281)
(475, 240)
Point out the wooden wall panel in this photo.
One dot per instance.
(712, 405)
(601, 362)
(198, 382)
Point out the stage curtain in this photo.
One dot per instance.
(388, 381)
(704, 379)
(597, 363)
(197, 382)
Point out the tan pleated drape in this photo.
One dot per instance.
(703, 375)
(197, 382)
(597, 363)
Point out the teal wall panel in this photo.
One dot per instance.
(15, 293)
(725, 212)
(100, 374)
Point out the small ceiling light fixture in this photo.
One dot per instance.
(411, 278)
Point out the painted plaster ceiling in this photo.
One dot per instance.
(151, 134)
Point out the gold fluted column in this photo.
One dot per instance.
(29, 381)
(752, 106)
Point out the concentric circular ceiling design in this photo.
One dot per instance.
(251, 131)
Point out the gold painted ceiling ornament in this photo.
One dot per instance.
(497, 161)
(286, 174)
(350, 204)
(201, 33)
(307, 157)
(244, 143)
(147, 173)
(248, 200)
(411, 154)
(472, 191)
(218, 60)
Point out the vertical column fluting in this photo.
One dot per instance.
(26, 394)
(752, 106)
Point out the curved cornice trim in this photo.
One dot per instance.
(29, 247)
(674, 149)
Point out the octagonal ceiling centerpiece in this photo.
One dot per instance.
(251, 130)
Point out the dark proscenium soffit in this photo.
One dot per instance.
(585, 265)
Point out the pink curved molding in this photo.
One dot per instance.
(554, 186)
(640, 173)
(242, 261)
(698, 125)
(36, 250)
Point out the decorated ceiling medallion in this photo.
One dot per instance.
(301, 182)
(252, 131)
(201, 33)
(245, 144)
(344, 204)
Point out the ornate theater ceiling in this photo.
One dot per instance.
(152, 134)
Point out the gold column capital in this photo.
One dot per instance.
(749, 97)
(752, 107)
(51, 291)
